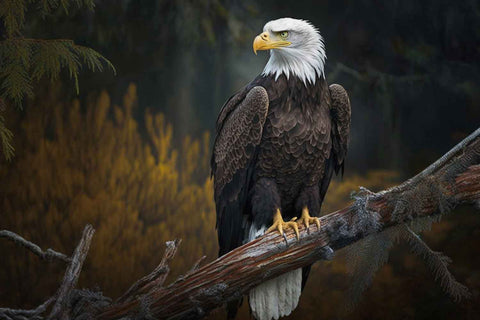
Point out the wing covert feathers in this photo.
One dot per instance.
(239, 131)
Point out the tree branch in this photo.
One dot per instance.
(48, 254)
(453, 179)
(6, 313)
(60, 309)
(63, 298)
(156, 278)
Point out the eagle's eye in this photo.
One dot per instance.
(284, 34)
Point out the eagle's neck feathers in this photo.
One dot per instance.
(307, 63)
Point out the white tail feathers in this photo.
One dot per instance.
(276, 297)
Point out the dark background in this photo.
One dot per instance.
(411, 66)
(411, 69)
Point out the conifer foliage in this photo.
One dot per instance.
(24, 61)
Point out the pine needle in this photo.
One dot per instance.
(23, 61)
(6, 136)
(12, 12)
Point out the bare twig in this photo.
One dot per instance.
(48, 254)
(6, 313)
(156, 278)
(60, 309)
(452, 180)
(197, 264)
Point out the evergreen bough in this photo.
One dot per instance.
(24, 61)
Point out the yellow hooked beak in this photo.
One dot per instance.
(263, 42)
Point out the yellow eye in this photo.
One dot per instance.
(284, 34)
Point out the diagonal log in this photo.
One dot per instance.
(452, 180)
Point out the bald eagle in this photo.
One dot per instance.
(278, 142)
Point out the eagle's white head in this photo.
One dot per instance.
(296, 48)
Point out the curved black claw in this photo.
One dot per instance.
(306, 219)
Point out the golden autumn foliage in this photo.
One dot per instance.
(95, 167)
(96, 164)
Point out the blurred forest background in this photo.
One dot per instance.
(129, 153)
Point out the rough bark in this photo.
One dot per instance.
(453, 179)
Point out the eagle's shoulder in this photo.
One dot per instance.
(239, 131)
(341, 118)
(339, 96)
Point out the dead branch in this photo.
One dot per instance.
(60, 309)
(156, 278)
(453, 179)
(48, 254)
(10, 314)
(63, 298)
(196, 266)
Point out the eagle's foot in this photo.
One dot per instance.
(279, 224)
(306, 219)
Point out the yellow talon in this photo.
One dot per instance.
(306, 219)
(279, 224)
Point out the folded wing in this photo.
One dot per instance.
(239, 132)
